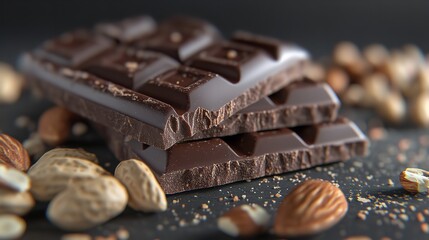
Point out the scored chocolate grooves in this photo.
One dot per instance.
(160, 84)
(217, 161)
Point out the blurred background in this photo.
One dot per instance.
(316, 25)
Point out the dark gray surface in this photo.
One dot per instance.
(358, 177)
(315, 25)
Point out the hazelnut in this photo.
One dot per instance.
(392, 108)
(11, 84)
(55, 125)
(348, 56)
(420, 110)
(337, 79)
(314, 71)
(399, 71)
(345, 54)
(355, 95)
(376, 86)
(376, 55)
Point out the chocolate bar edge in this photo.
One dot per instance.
(248, 168)
(177, 127)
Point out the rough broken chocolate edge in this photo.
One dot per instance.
(244, 169)
(177, 127)
(276, 118)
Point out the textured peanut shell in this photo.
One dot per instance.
(87, 203)
(19, 203)
(54, 172)
(144, 190)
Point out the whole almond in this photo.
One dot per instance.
(57, 168)
(145, 193)
(55, 125)
(13, 179)
(244, 221)
(11, 226)
(311, 207)
(18, 203)
(87, 203)
(67, 152)
(13, 154)
(11, 84)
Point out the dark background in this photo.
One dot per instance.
(316, 25)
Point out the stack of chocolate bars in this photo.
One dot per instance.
(200, 110)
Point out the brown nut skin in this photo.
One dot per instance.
(55, 125)
(313, 206)
(13, 154)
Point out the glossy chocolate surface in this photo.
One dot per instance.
(289, 107)
(160, 83)
(215, 161)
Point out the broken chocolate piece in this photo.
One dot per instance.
(139, 90)
(216, 161)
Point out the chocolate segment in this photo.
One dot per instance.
(74, 48)
(289, 107)
(128, 30)
(180, 37)
(148, 95)
(216, 161)
(130, 68)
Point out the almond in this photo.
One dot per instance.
(11, 226)
(145, 193)
(13, 179)
(18, 203)
(311, 207)
(57, 168)
(87, 203)
(55, 125)
(13, 154)
(11, 84)
(244, 221)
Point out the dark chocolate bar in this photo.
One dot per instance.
(301, 103)
(216, 161)
(160, 84)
